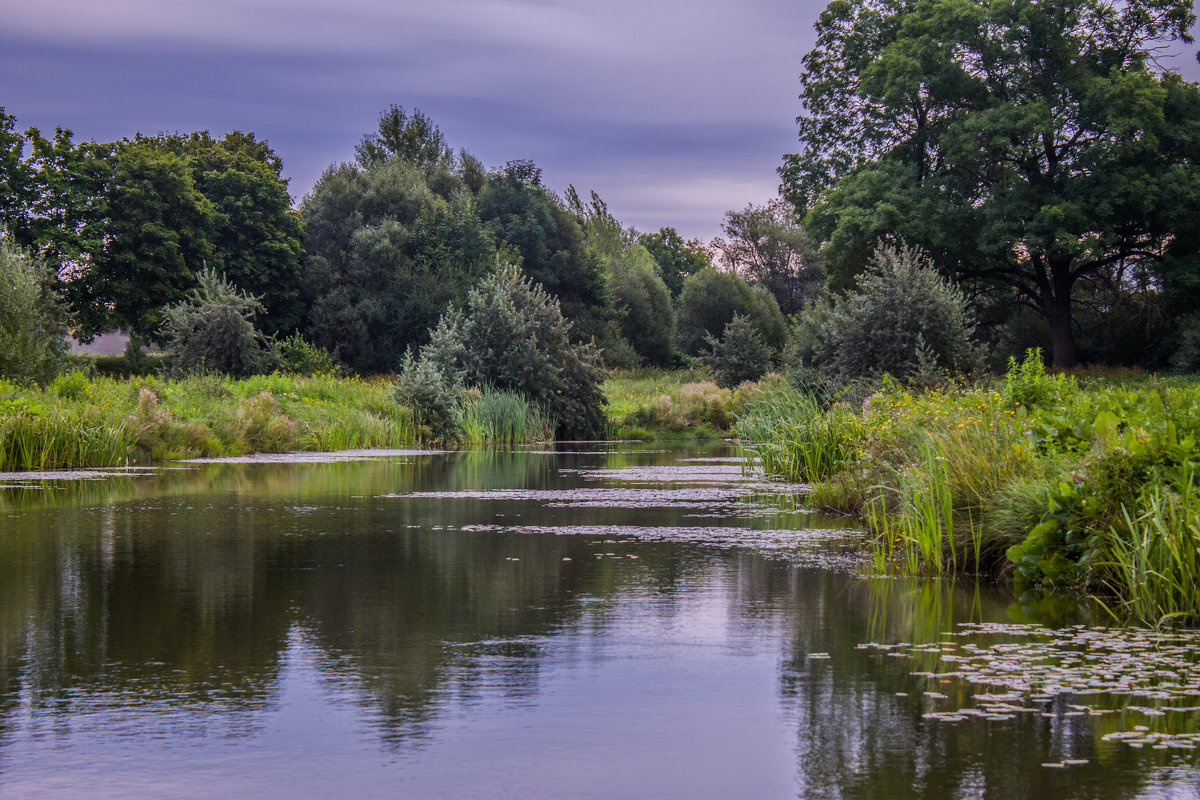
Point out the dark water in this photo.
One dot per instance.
(614, 622)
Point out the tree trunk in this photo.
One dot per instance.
(1057, 307)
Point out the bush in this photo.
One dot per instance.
(432, 394)
(739, 356)
(710, 299)
(903, 319)
(212, 330)
(512, 337)
(296, 356)
(33, 320)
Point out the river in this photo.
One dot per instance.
(574, 621)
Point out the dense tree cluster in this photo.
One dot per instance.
(1034, 149)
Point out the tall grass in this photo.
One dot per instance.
(57, 440)
(79, 421)
(1153, 555)
(490, 416)
(796, 439)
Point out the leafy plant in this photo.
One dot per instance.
(212, 330)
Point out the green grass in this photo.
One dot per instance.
(672, 404)
(495, 417)
(79, 421)
(1052, 481)
(795, 438)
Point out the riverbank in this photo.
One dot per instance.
(1045, 480)
(78, 421)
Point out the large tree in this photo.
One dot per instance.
(766, 246)
(1033, 143)
(522, 215)
(676, 258)
(255, 233)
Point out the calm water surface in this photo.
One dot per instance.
(602, 621)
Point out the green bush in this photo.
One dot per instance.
(33, 320)
(296, 356)
(433, 393)
(902, 319)
(212, 330)
(512, 337)
(642, 299)
(740, 355)
(710, 299)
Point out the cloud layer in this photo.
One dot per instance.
(673, 111)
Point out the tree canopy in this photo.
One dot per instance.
(1027, 144)
(766, 246)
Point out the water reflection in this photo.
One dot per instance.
(403, 627)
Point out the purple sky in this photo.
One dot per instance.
(673, 111)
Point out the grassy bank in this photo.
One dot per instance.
(79, 421)
(672, 404)
(1054, 482)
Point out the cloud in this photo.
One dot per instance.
(675, 111)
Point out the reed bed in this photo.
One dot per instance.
(490, 416)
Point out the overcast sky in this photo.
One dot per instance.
(673, 111)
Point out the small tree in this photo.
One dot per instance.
(33, 319)
(512, 336)
(740, 355)
(212, 330)
(903, 317)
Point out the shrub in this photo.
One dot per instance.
(296, 356)
(33, 319)
(213, 330)
(433, 395)
(739, 356)
(710, 299)
(512, 337)
(903, 318)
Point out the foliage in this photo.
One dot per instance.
(128, 224)
(511, 336)
(296, 356)
(434, 395)
(902, 319)
(387, 249)
(255, 235)
(653, 403)
(766, 246)
(1060, 483)
(33, 319)
(710, 299)
(676, 258)
(212, 330)
(96, 422)
(796, 438)
(1024, 145)
(489, 416)
(414, 139)
(547, 235)
(740, 355)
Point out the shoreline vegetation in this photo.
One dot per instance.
(1049, 481)
(81, 420)
(1053, 482)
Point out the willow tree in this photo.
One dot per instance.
(1029, 143)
